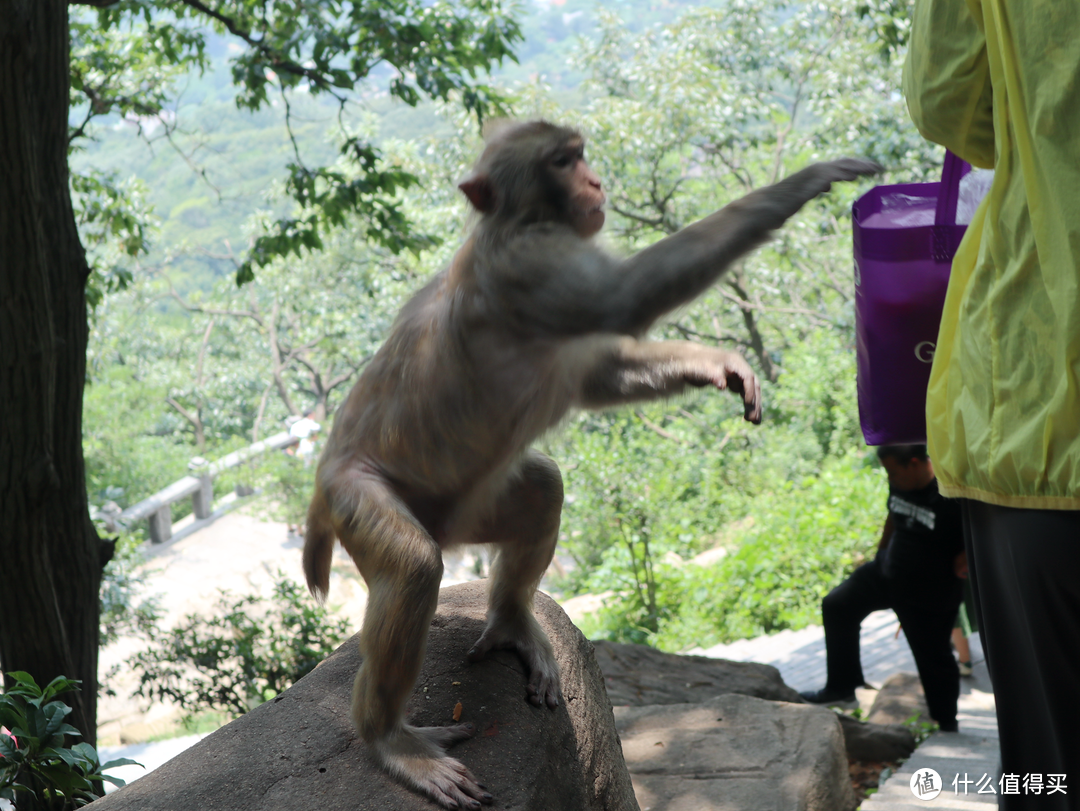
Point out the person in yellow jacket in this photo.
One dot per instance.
(998, 83)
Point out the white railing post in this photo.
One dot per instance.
(199, 487)
(161, 524)
(202, 500)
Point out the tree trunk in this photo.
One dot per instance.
(50, 556)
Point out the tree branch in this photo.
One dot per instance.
(277, 367)
(657, 429)
(277, 61)
(757, 341)
(194, 308)
(729, 337)
(194, 419)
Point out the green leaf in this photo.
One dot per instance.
(85, 751)
(8, 748)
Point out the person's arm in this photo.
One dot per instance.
(886, 534)
(947, 79)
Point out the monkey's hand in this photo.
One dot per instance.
(531, 643)
(728, 370)
(815, 179)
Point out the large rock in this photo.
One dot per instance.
(636, 674)
(900, 697)
(736, 753)
(300, 752)
(875, 742)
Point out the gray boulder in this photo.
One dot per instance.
(900, 697)
(736, 752)
(876, 742)
(636, 674)
(300, 752)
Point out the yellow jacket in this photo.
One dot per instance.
(998, 83)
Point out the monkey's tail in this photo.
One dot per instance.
(318, 545)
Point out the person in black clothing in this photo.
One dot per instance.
(917, 573)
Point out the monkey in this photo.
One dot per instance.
(531, 319)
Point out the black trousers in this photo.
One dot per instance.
(926, 611)
(1026, 568)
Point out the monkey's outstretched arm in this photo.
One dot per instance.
(571, 287)
(681, 267)
(628, 370)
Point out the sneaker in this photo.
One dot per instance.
(829, 696)
(965, 668)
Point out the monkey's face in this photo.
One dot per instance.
(584, 193)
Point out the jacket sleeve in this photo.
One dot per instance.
(947, 79)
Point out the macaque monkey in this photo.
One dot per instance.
(431, 448)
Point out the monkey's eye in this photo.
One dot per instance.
(562, 161)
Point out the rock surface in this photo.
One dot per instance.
(299, 751)
(636, 674)
(900, 697)
(876, 742)
(736, 752)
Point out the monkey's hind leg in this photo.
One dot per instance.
(403, 567)
(525, 526)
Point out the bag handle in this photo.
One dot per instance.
(945, 244)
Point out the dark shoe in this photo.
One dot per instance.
(949, 726)
(829, 696)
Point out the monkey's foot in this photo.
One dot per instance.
(416, 756)
(532, 645)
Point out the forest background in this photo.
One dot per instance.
(696, 526)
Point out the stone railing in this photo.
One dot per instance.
(199, 486)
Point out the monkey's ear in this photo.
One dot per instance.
(480, 192)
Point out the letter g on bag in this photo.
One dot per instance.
(924, 351)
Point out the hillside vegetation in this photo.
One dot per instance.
(686, 108)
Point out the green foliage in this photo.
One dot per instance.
(123, 613)
(805, 538)
(132, 445)
(891, 20)
(248, 650)
(39, 771)
(127, 65)
(649, 489)
(114, 225)
(814, 408)
(800, 541)
(289, 486)
(919, 728)
(127, 56)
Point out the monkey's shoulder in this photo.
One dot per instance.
(537, 265)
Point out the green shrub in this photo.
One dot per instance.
(804, 538)
(123, 613)
(246, 652)
(38, 770)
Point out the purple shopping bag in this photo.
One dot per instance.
(905, 237)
